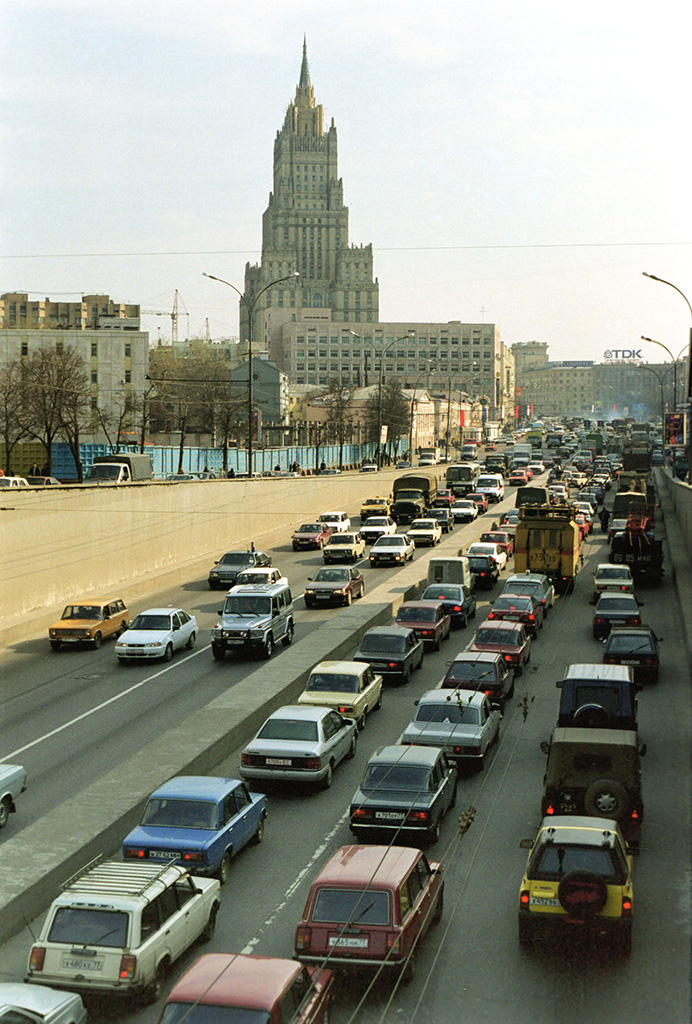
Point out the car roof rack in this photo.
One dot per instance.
(116, 877)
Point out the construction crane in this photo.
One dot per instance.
(173, 315)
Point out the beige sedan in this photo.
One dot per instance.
(350, 687)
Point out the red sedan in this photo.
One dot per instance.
(506, 638)
(427, 619)
(503, 539)
(518, 478)
(444, 499)
(480, 499)
(518, 608)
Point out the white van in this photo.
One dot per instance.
(450, 570)
(492, 485)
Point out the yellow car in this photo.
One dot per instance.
(578, 879)
(375, 507)
(349, 687)
(90, 622)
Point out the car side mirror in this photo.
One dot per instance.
(545, 746)
(526, 844)
(310, 579)
(219, 611)
(642, 749)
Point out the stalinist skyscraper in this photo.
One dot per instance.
(305, 228)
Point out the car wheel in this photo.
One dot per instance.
(360, 722)
(210, 927)
(433, 834)
(406, 676)
(259, 833)
(329, 777)
(354, 746)
(606, 799)
(378, 705)
(349, 598)
(453, 801)
(224, 868)
(267, 648)
(408, 971)
(191, 641)
(97, 640)
(288, 639)
(168, 653)
(4, 811)
(218, 652)
(154, 991)
(55, 644)
(362, 590)
(518, 671)
(436, 644)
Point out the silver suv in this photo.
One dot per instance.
(118, 926)
(254, 618)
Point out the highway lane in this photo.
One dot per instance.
(71, 716)
(470, 967)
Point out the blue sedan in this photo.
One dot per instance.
(201, 821)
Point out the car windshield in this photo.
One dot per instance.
(465, 505)
(310, 528)
(416, 614)
(331, 576)
(449, 712)
(86, 926)
(554, 861)
(206, 1013)
(240, 604)
(442, 593)
(402, 777)
(497, 636)
(613, 572)
(82, 611)
(236, 558)
(376, 521)
(617, 604)
(180, 813)
(389, 542)
(288, 729)
(382, 642)
(339, 906)
(332, 682)
(469, 672)
(629, 644)
(147, 621)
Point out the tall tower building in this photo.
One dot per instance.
(305, 228)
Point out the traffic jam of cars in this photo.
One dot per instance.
(372, 902)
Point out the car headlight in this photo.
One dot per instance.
(256, 633)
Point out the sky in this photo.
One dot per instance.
(516, 164)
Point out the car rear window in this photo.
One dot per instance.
(389, 542)
(553, 861)
(442, 593)
(396, 776)
(327, 682)
(448, 712)
(605, 696)
(288, 729)
(310, 528)
(629, 645)
(616, 573)
(84, 926)
(180, 813)
(617, 604)
(416, 614)
(469, 672)
(201, 1013)
(338, 906)
(509, 604)
(496, 636)
(386, 644)
(341, 538)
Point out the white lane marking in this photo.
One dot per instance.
(99, 707)
(249, 948)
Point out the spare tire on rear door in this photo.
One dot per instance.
(606, 799)
(591, 716)
(582, 894)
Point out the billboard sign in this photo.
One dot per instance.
(674, 428)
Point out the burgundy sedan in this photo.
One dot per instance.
(503, 539)
(480, 499)
(444, 499)
(518, 478)
(311, 535)
(506, 638)
(518, 608)
(427, 619)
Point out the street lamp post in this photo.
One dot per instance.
(383, 351)
(675, 368)
(426, 373)
(688, 393)
(250, 307)
(660, 378)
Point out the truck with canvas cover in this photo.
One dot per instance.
(547, 542)
(122, 468)
(414, 494)
(637, 547)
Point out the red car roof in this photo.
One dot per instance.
(243, 980)
(381, 866)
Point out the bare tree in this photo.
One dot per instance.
(395, 413)
(337, 398)
(43, 379)
(76, 411)
(13, 424)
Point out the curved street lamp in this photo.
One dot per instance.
(383, 350)
(675, 367)
(422, 376)
(250, 307)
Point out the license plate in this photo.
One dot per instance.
(323, 597)
(280, 762)
(388, 816)
(544, 901)
(350, 941)
(161, 855)
(629, 661)
(75, 963)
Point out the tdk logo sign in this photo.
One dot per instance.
(623, 353)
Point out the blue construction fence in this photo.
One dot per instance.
(196, 460)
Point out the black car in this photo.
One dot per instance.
(333, 585)
(406, 791)
(224, 573)
(444, 517)
(392, 651)
(482, 671)
(636, 646)
(615, 610)
(598, 697)
(485, 569)
(457, 601)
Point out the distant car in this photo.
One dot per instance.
(464, 510)
(636, 646)
(463, 723)
(377, 526)
(393, 893)
(311, 535)
(89, 622)
(491, 549)
(333, 585)
(444, 499)
(299, 743)
(337, 521)
(42, 481)
(246, 987)
(199, 821)
(344, 547)
(613, 579)
(426, 532)
(537, 468)
(533, 583)
(157, 633)
(615, 610)
(485, 570)
(503, 539)
(482, 671)
(481, 501)
(405, 790)
(368, 467)
(377, 506)
(13, 782)
(38, 1004)
(616, 526)
(13, 481)
(403, 464)
(518, 478)
(259, 574)
(457, 601)
(392, 550)
(352, 688)
(518, 608)
(391, 651)
(427, 619)
(444, 517)
(224, 572)
(509, 639)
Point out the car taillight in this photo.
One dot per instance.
(491, 615)
(648, 660)
(608, 659)
(303, 937)
(456, 608)
(508, 657)
(392, 664)
(128, 963)
(250, 759)
(427, 632)
(524, 898)
(361, 814)
(345, 709)
(635, 815)
(38, 955)
(135, 854)
(313, 763)
(473, 751)
(632, 622)
(626, 905)
(598, 622)
(531, 617)
(623, 588)
(189, 858)
(394, 942)
(550, 809)
(487, 692)
(418, 816)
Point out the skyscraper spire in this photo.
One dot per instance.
(304, 82)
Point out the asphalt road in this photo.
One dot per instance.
(470, 967)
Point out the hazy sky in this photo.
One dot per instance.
(520, 164)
